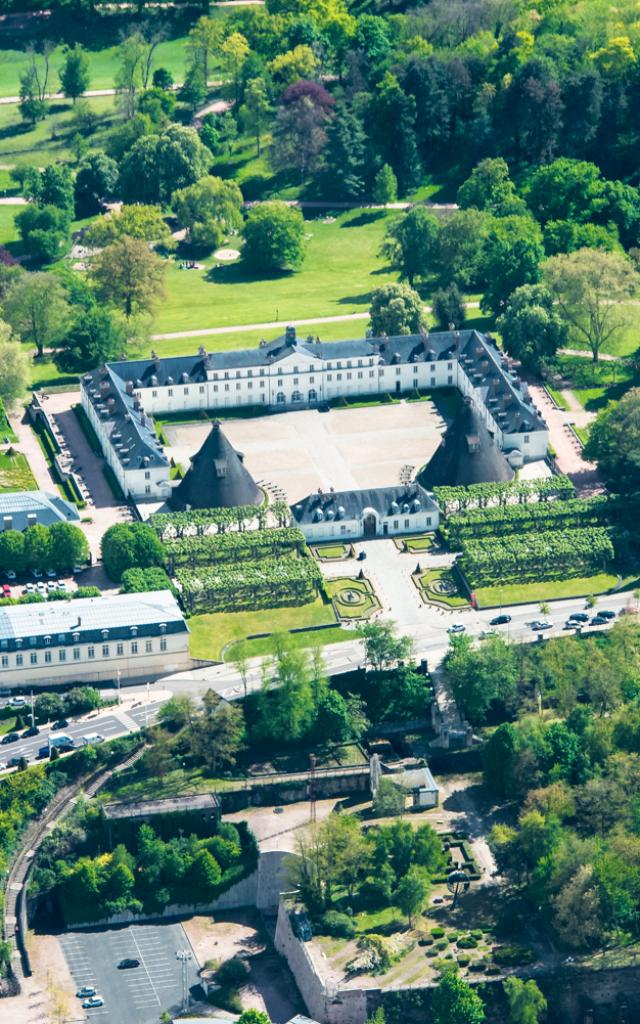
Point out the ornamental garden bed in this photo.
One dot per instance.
(440, 586)
(416, 542)
(333, 552)
(15, 474)
(352, 598)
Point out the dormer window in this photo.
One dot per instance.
(61, 638)
(47, 641)
(105, 634)
(18, 642)
(163, 627)
(134, 631)
(76, 637)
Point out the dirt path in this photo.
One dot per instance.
(583, 353)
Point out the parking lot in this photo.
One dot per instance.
(139, 995)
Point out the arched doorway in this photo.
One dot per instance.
(313, 395)
(369, 523)
(280, 399)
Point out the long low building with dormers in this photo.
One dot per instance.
(93, 639)
(289, 373)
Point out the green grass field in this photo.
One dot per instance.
(264, 646)
(8, 230)
(580, 586)
(211, 633)
(49, 140)
(15, 474)
(341, 269)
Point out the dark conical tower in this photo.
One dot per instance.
(216, 478)
(467, 454)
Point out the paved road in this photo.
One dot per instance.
(110, 724)
(136, 996)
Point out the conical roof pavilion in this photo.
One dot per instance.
(216, 478)
(467, 454)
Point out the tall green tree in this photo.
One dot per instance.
(489, 188)
(411, 244)
(531, 329)
(383, 648)
(511, 257)
(396, 309)
(614, 441)
(129, 276)
(95, 337)
(75, 77)
(344, 156)
(209, 210)
(37, 309)
(256, 110)
(526, 1002)
(274, 237)
(412, 893)
(455, 1002)
(217, 733)
(14, 369)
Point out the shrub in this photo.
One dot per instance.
(432, 952)
(437, 933)
(227, 999)
(464, 960)
(337, 924)
(493, 969)
(513, 956)
(467, 942)
(477, 933)
(426, 940)
(478, 967)
(442, 944)
(232, 973)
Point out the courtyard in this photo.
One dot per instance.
(301, 451)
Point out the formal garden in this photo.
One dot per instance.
(15, 473)
(441, 587)
(415, 543)
(352, 598)
(332, 552)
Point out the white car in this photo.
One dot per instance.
(93, 737)
(92, 1001)
(51, 574)
(86, 991)
(540, 624)
(42, 587)
(458, 627)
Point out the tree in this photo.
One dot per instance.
(389, 800)
(37, 310)
(382, 647)
(455, 1002)
(36, 547)
(209, 210)
(526, 1002)
(14, 369)
(490, 188)
(288, 700)
(162, 79)
(204, 875)
(236, 50)
(75, 76)
(448, 307)
(158, 164)
(177, 712)
(589, 287)
(128, 275)
(274, 237)
(290, 67)
(136, 53)
(566, 189)
(145, 222)
(130, 545)
(396, 309)
(254, 1017)
(56, 188)
(12, 550)
(299, 136)
(412, 893)
(344, 156)
(385, 186)
(95, 183)
(461, 247)
(530, 327)
(34, 83)
(94, 338)
(48, 707)
(256, 109)
(44, 231)
(203, 42)
(411, 242)
(512, 255)
(479, 676)
(613, 443)
(217, 734)
(68, 546)
(392, 115)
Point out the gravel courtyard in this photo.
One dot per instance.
(343, 448)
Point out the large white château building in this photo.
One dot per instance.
(121, 398)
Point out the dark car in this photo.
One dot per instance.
(14, 762)
(43, 752)
(31, 731)
(599, 620)
(500, 620)
(128, 963)
(579, 617)
(607, 613)
(11, 737)
(60, 724)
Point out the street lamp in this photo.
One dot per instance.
(184, 956)
(118, 674)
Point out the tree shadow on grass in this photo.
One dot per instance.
(240, 273)
(355, 299)
(362, 219)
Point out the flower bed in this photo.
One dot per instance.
(352, 598)
(439, 586)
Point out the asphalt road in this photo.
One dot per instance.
(107, 724)
(139, 995)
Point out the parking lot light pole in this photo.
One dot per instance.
(184, 955)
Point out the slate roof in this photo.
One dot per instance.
(216, 478)
(328, 506)
(467, 454)
(129, 429)
(124, 616)
(47, 508)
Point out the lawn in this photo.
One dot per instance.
(8, 229)
(559, 398)
(625, 341)
(341, 269)
(15, 474)
(420, 542)
(352, 598)
(332, 551)
(6, 433)
(583, 433)
(210, 633)
(264, 646)
(530, 593)
(49, 140)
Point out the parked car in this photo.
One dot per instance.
(10, 574)
(41, 587)
(607, 613)
(51, 574)
(13, 762)
(362, 555)
(79, 568)
(92, 1001)
(540, 624)
(458, 627)
(599, 620)
(500, 620)
(93, 737)
(571, 624)
(60, 724)
(61, 585)
(486, 634)
(11, 737)
(43, 752)
(29, 588)
(37, 574)
(18, 702)
(85, 992)
(128, 963)
(31, 731)
(6, 590)
(579, 616)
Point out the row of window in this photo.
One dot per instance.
(91, 653)
(216, 376)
